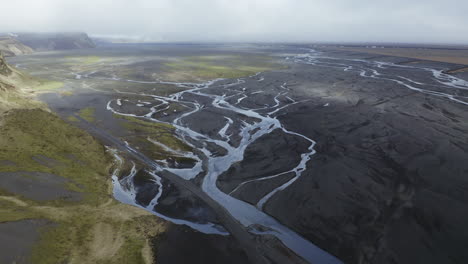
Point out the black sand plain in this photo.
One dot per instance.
(388, 182)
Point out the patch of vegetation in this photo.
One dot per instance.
(131, 251)
(48, 86)
(72, 119)
(66, 93)
(212, 67)
(86, 60)
(23, 135)
(144, 133)
(13, 100)
(88, 114)
(10, 210)
(97, 238)
(161, 132)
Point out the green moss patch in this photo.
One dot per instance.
(83, 60)
(87, 114)
(29, 133)
(48, 86)
(72, 119)
(212, 67)
(160, 132)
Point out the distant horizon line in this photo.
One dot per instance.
(330, 43)
(137, 40)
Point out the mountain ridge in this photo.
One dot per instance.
(56, 41)
(12, 47)
(13, 44)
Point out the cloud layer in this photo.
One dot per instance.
(413, 21)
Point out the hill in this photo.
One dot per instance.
(12, 47)
(55, 41)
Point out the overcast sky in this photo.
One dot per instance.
(429, 21)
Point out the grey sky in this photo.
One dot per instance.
(431, 21)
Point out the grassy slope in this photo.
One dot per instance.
(96, 229)
(10, 96)
(17, 88)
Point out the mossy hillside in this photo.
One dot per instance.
(11, 96)
(25, 84)
(28, 133)
(99, 236)
(13, 99)
(75, 236)
(4, 68)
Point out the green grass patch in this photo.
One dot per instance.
(88, 114)
(14, 100)
(131, 251)
(54, 240)
(83, 60)
(48, 86)
(9, 211)
(161, 132)
(212, 67)
(66, 93)
(76, 238)
(72, 119)
(29, 133)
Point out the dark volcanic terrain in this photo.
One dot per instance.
(330, 157)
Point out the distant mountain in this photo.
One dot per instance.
(10, 46)
(55, 41)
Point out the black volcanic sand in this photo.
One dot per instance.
(18, 238)
(271, 154)
(173, 202)
(37, 186)
(180, 245)
(389, 181)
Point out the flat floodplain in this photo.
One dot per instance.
(332, 155)
(455, 55)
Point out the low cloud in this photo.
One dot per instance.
(246, 20)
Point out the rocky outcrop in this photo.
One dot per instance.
(56, 41)
(5, 72)
(10, 46)
(4, 69)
